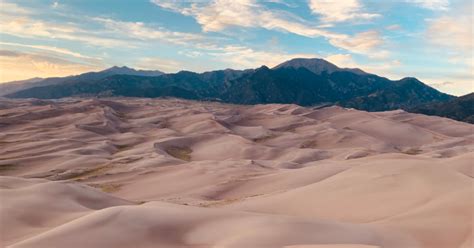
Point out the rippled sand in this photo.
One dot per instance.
(173, 173)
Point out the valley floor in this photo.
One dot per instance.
(174, 173)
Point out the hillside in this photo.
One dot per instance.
(300, 81)
(461, 108)
(16, 86)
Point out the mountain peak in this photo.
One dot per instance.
(316, 65)
(124, 70)
(118, 69)
(410, 80)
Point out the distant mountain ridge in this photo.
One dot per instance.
(15, 86)
(123, 70)
(300, 81)
(460, 108)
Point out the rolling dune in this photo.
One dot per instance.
(172, 173)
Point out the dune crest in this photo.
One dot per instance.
(174, 173)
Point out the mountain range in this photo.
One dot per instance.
(16, 86)
(306, 82)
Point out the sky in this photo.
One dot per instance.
(431, 40)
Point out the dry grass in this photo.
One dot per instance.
(122, 147)
(223, 202)
(413, 151)
(217, 203)
(120, 115)
(264, 138)
(183, 153)
(309, 144)
(87, 173)
(7, 167)
(106, 187)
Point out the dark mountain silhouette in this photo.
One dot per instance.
(460, 108)
(404, 93)
(123, 70)
(14, 86)
(316, 66)
(302, 81)
(11, 87)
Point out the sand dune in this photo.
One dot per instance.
(32, 206)
(174, 173)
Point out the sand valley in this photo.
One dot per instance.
(131, 172)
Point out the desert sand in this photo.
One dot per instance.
(174, 173)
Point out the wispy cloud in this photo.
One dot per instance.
(453, 31)
(58, 50)
(458, 38)
(342, 60)
(218, 15)
(340, 11)
(244, 57)
(221, 14)
(10, 9)
(431, 4)
(156, 63)
(386, 69)
(103, 32)
(28, 27)
(23, 65)
(140, 31)
(368, 43)
(394, 27)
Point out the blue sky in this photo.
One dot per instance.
(428, 39)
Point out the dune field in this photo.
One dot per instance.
(173, 173)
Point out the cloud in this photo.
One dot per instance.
(451, 85)
(367, 43)
(453, 31)
(58, 50)
(140, 31)
(431, 4)
(13, 9)
(393, 27)
(340, 11)
(342, 60)
(442, 84)
(155, 63)
(243, 57)
(6, 53)
(386, 69)
(102, 32)
(19, 65)
(220, 14)
(215, 16)
(190, 53)
(27, 27)
(287, 3)
(453, 34)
